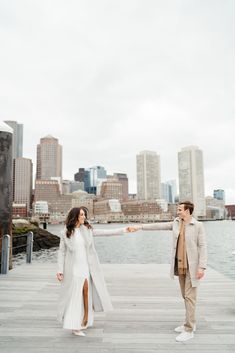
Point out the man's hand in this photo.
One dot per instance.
(200, 273)
(60, 276)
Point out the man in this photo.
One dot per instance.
(189, 258)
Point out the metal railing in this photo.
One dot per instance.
(6, 250)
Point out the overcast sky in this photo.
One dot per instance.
(112, 78)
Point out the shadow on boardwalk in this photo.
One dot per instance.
(147, 308)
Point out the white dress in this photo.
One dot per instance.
(74, 311)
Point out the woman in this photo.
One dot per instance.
(83, 287)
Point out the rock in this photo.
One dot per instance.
(20, 223)
(42, 239)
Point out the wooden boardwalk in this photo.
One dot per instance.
(147, 308)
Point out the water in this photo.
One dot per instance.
(155, 247)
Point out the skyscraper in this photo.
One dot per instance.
(22, 181)
(97, 173)
(191, 178)
(80, 175)
(166, 192)
(173, 190)
(111, 189)
(49, 158)
(17, 145)
(123, 179)
(83, 176)
(148, 175)
(219, 194)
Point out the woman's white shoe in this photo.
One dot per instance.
(78, 333)
(84, 327)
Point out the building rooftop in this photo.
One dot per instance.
(6, 128)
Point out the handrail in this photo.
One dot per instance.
(6, 250)
(19, 236)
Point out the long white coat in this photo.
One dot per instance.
(195, 244)
(100, 295)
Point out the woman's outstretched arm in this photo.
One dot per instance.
(114, 231)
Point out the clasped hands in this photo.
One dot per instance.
(132, 229)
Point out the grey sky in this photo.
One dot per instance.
(112, 78)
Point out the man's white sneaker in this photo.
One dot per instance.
(180, 329)
(184, 336)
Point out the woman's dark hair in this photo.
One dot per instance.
(72, 219)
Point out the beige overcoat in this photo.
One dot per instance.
(195, 244)
(100, 295)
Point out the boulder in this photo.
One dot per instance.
(20, 223)
(42, 239)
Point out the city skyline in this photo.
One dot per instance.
(176, 178)
(161, 81)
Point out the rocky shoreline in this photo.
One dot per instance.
(42, 239)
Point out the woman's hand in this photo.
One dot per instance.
(60, 276)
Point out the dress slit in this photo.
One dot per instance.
(85, 301)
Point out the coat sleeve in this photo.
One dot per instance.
(104, 232)
(202, 247)
(158, 226)
(61, 255)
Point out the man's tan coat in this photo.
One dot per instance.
(195, 244)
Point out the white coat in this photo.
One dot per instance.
(196, 248)
(100, 296)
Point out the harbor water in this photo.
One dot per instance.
(154, 246)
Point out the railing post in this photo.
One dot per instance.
(5, 254)
(29, 248)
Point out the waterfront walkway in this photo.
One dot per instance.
(147, 308)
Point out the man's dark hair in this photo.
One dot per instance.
(188, 206)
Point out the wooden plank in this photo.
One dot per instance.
(147, 307)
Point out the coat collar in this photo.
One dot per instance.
(86, 234)
(193, 220)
